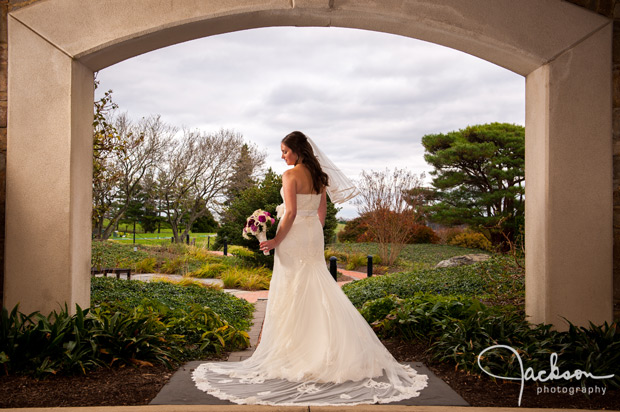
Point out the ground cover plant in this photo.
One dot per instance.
(122, 295)
(498, 281)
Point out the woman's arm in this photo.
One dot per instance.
(323, 208)
(289, 189)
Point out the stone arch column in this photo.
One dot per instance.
(563, 50)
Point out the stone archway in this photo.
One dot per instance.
(563, 51)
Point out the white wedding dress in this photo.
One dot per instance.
(315, 348)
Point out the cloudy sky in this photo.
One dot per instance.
(366, 98)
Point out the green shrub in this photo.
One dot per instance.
(378, 309)
(341, 256)
(472, 240)
(137, 337)
(209, 271)
(418, 317)
(152, 333)
(250, 259)
(201, 327)
(39, 345)
(356, 260)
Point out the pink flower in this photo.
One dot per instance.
(254, 228)
(262, 219)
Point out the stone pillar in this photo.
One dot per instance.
(4, 9)
(569, 209)
(49, 174)
(616, 162)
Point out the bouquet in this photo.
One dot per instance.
(256, 225)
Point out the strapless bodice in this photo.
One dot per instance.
(307, 204)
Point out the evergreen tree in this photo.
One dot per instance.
(250, 161)
(479, 177)
(205, 224)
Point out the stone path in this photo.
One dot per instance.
(257, 325)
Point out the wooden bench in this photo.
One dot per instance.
(105, 271)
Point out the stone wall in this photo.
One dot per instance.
(608, 8)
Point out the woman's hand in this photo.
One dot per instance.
(268, 245)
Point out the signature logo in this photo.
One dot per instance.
(542, 376)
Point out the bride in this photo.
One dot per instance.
(315, 348)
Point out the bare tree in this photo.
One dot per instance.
(144, 147)
(195, 177)
(388, 209)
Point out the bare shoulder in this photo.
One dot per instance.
(288, 174)
(289, 177)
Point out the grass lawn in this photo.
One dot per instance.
(162, 238)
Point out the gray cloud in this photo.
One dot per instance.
(367, 98)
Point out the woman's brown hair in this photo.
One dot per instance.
(298, 143)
